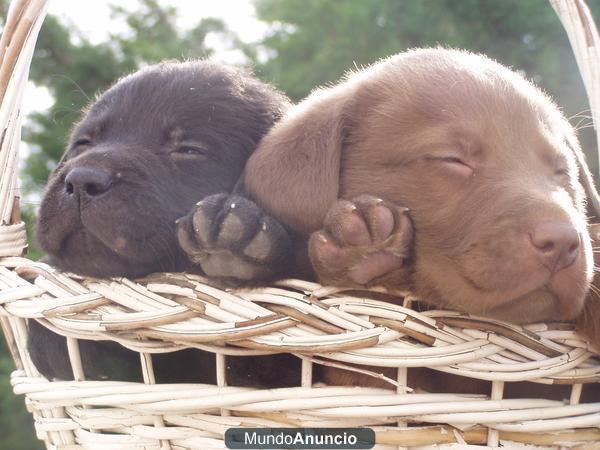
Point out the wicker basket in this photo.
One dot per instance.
(320, 325)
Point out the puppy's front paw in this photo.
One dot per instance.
(230, 237)
(361, 241)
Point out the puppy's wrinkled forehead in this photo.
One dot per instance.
(443, 85)
(154, 102)
(461, 102)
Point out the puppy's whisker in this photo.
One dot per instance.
(580, 114)
(583, 120)
(584, 127)
(595, 290)
(79, 88)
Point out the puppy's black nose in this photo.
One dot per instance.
(556, 244)
(87, 181)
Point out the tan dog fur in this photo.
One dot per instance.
(395, 130)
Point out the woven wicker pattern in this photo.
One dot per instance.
(328, 324)
(320, 325)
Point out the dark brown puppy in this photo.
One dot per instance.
(489, 168)
(144, 153)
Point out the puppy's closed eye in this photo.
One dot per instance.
(563, 175)
(78, 146)
(452, 163)
(192, 151)
(82, 142)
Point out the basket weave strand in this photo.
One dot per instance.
(321, 325)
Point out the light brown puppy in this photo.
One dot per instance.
(490, 170)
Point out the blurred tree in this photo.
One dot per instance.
(313, 42)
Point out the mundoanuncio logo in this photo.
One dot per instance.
(300, 438)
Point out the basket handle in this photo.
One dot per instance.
(578, 22)
(17, 43)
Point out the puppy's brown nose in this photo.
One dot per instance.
(556, 244)
(87, 181)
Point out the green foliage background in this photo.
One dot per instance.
(309, 43)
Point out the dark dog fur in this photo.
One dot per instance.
(162, 139)
(141, 157)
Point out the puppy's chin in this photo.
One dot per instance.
(90, 246)
(110, 235)
(531, 296)
(540, 305)
(98, 260)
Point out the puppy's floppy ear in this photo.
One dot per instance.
(294, 173)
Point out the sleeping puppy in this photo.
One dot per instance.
(143, 154)
(483, 180)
